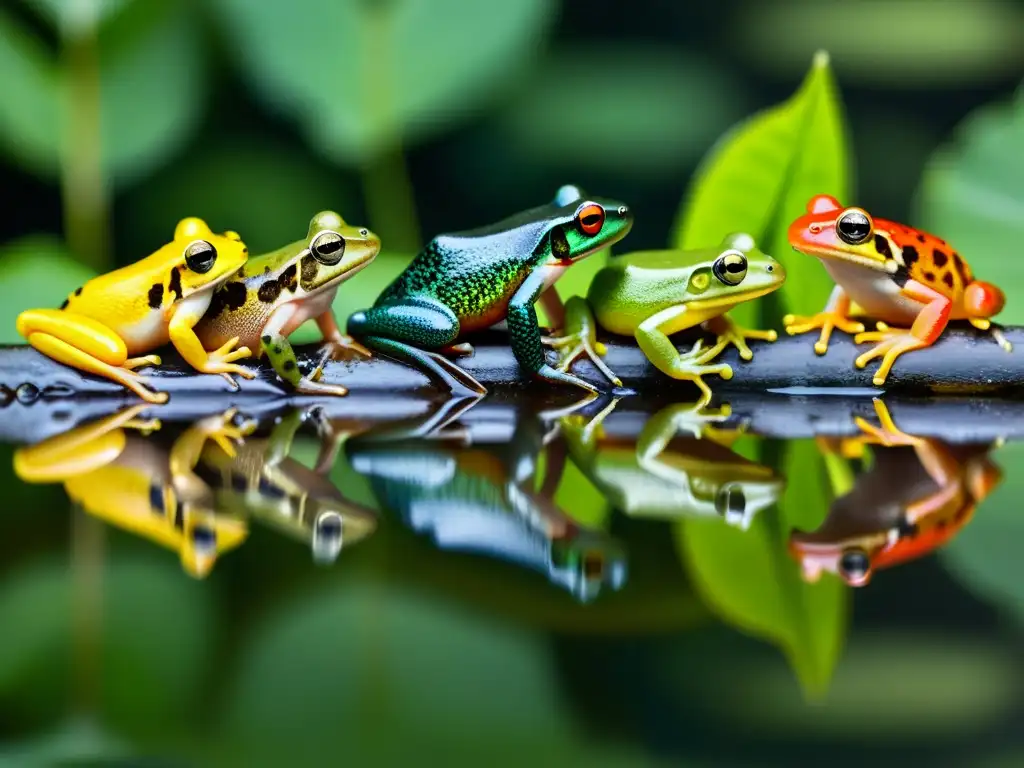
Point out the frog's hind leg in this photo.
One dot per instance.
(87, 345)
(402, 330)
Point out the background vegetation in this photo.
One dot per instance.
(413, 117)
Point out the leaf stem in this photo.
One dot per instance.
(387, 189)
(84, 191)
(86, 200)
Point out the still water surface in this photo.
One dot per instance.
(612, 582)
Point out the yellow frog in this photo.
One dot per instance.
(107, 326)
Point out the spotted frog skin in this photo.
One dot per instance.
(918, 494)
(894, 274)
(652, 295)
(116, 472)
(104, 326)
(276, 292)
(474, 280)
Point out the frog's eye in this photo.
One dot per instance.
(590, 219)
(200, 256)
(854, 226)
(730, 267)
(854, 566)
(328, 248)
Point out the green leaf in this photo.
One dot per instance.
(971, 196)
(751, 581)
(29, 107)
(35, 271)
(760, 176)
(61, 12)
(357, 75)
(644, 122)
(985, 555)
(151, 68)
(955, 43)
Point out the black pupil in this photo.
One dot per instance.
(592, 220)
(854, 226)
(200, 257)
(329, 527)
(854, 563)
(329, 247)
(203, 537)
(735, 265)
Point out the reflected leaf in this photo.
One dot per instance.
(971, 196)
(750, 580)
(625, 108)
(59, 11)
(71, 743)
(405, 67)
(985, 556)
(266, 190)
(35, 271)
(955, 41)
(156, 636)
(759, 177)
(151, 67)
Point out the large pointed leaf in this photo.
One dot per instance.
(759, 177)
(971, 196)
(750, 580)
(357, 74)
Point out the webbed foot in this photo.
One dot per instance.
(892, 342)
(826, 321)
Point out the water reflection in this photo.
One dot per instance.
(482, 498)
(679, 465)
(914, 498)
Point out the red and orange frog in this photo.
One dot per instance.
(908, 504)
(894, 274)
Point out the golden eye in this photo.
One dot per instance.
(699, 282)
(854, 226)
(200, 256)
(328, 248)
(590, 219)
(730, 267)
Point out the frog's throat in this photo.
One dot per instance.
(878, 263)
(731, 299)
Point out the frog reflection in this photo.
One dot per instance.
(481, 499)
(261, 479)
(662, 474)
(116, 472)
(918, 494)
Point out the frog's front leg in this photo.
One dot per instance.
(87, 345)
(339, 345)
(278, 349)
(928, 326)
(653, 338)
(728, 332)
(835, 315)
(220, 361)
(580, 338)
(224, 429)
(525, 338)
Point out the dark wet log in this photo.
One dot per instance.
(963, 361)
